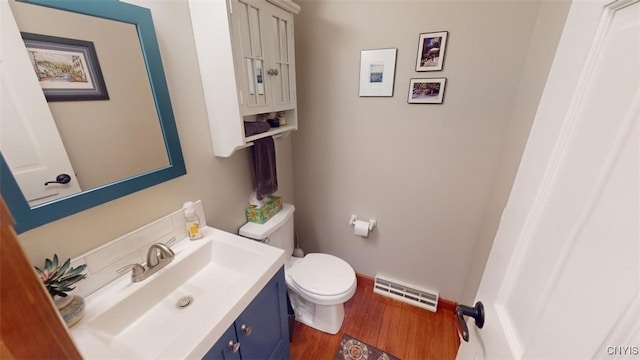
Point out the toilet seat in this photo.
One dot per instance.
(322, 278)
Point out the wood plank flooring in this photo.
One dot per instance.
(400, 329)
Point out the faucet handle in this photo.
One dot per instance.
(136, 269)
(171, 241)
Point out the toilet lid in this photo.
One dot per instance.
(323, 274)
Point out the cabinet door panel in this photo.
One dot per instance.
(267, 318)
(285, 95)
(281, 26)
(245, 17)
(255, 30)
(249, 33)
(221, 349)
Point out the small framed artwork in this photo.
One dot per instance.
(426, 91)
(67, 69)
(431, 49)
(377, 72)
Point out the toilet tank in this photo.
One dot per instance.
(279, 230)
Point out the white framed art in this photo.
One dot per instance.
(377, 72)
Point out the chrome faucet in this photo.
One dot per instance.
(158, 256)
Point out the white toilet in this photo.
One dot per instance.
(319, 284)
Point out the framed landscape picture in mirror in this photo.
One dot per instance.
(431, 48)
(67, 69)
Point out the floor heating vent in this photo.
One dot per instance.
(424, 298)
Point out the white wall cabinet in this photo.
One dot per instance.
(247, 62)
(262, 36)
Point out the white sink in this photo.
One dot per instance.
(221, 274)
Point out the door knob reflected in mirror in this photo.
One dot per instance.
(60, 179)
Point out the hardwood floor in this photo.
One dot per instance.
(400, 329)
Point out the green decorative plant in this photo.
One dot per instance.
(59, 278)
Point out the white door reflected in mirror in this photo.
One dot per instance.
(29, 136)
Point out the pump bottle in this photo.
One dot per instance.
(193, 223)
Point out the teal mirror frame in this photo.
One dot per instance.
(27, 217)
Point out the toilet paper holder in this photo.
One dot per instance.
(354, 218)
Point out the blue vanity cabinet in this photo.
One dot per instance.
(261, 330)
(224, 348)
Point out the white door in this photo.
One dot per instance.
(563, 277)
(29, 138)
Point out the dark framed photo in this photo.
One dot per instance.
(431, 49)
(67, 69)
(426, 91)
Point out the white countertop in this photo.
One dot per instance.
(116, 315)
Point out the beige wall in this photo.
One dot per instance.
(543, 45)
(223, 184)
(434, 176)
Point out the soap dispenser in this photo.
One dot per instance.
(193, 222)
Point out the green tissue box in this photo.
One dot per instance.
(263, 214)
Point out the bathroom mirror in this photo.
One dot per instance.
(169, 162)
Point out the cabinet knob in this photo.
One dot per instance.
(273, 72)
(246, 329)
(234, 346)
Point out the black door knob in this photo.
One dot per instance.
(60, 179)
(476, 312)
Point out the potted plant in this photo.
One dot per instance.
(58, 279)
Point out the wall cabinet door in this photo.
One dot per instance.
(264, 54)
(283, 60)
